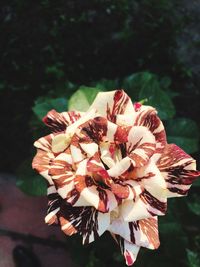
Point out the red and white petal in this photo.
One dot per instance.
(140, 146)
(147, 117)
(96, 169)
(129, 250)
(54, 202)
(150, 178)
(109, 104)
(71, 129)
(95, 129)
(120, 167)
(89, 148)
(87, 221)
(126, 190)
(42, 160)
(145, 206)
(45, 143)
(62, 174)
(93, 195)
(89, 193)
(108, 151)
(142, 233)
(178, 170)
(58, 122)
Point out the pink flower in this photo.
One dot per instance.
(111, 169)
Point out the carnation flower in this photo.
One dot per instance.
(111, 169)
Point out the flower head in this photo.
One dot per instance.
(111, 169)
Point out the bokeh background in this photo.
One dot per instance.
(50, 49)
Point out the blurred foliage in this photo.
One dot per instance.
(49, 50)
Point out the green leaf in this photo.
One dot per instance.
(184, 133)
(157, 98)
(44, 105)
(144, 85)
(29, 182)
(83, 98)
(193, 258)
(135, 82)
(165, 82)
(194, 204)
(105, 84)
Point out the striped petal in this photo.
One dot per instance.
(140, 146)
(147, 117)
(89, 193)
(87, 221)
(54, 202)
(150, 178)
(129, 250)
(126, 190)
(42, 160)
(142, 233)
(58, 122)
(62, 174)
(144, 207)
(109, 104)
(178, 170)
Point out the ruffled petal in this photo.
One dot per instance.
(45, 143)
(126, 190)
(147, 117)
(44, 156)
(58, 122)
(89, 193)
(62, 173)
(178, 170)
(140, 146)
(109, 104)
(142, 233)
(87, 221)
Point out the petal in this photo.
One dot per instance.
(178, 170)
(58, 122)
(140, 146)
(89, 193)
(71, 129)
(120, 167)
(145, 206)
(60, 142)
(42, 160)
(109, 104)
(129, 250)
(142, 233)
(87, 221)
(150, 178)
(54, 202)
(128, 189)
(95, 129)
(147, 117)
(62, 174)
(44, 143)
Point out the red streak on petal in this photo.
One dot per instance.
(137, 106)
(112, 150)
(121, 135)
(103, 173)
(129, 259)
(118, 95)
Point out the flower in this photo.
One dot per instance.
(111, 169)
